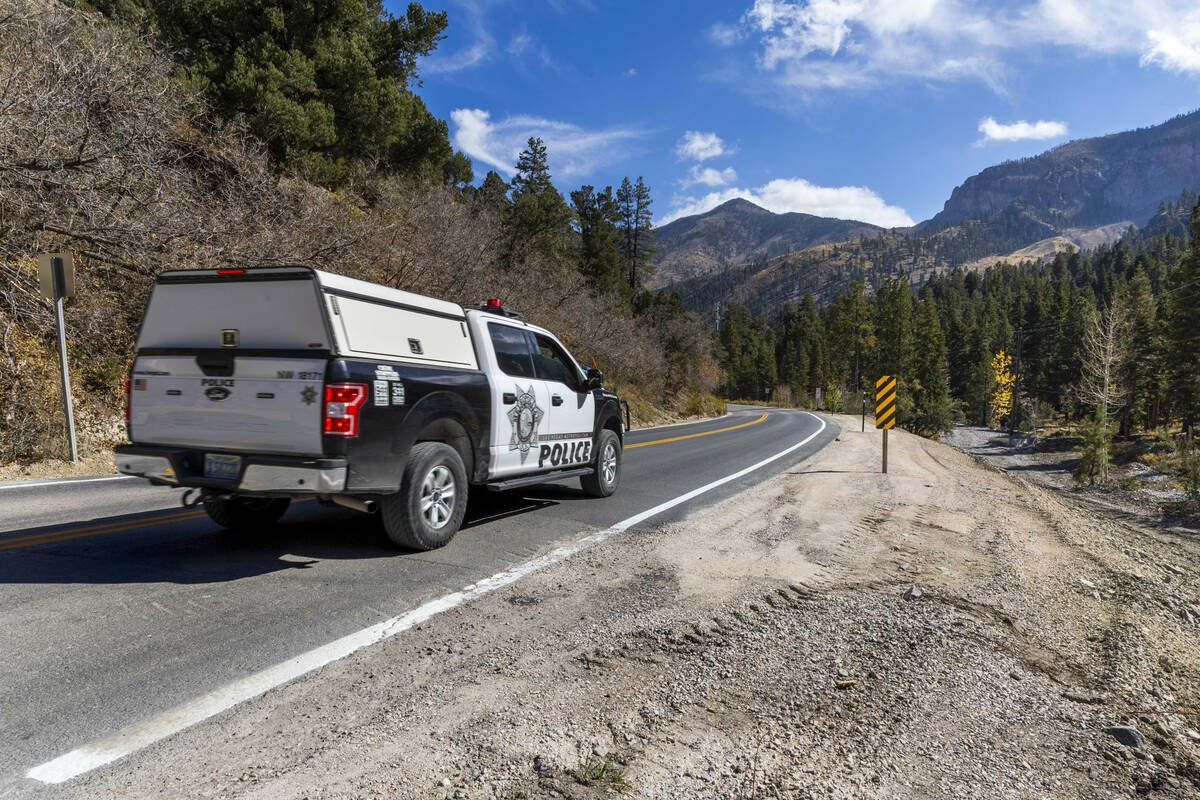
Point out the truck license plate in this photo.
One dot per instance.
(222, 467)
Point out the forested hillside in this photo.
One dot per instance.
(738, 231)
(274, 137)
(963, 335)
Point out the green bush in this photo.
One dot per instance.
(1097, 434)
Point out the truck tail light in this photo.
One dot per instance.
(128, 399)
(343, 403)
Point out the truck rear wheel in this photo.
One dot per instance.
(242, 513)
(607, 477)
(432, 501)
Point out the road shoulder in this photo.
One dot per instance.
(767, 646)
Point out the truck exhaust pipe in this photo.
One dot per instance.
(355, 503)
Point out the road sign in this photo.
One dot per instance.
(56, 272)
(885, 402)
(885, 409)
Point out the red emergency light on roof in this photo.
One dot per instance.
(231, 272)
(494, 303)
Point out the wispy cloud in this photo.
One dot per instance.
(796, 194)
(1016, 131)
(850, 44)
(481, 49)
(699, 146)
(572, 150)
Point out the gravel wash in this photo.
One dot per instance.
(947, 630)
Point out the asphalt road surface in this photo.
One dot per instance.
(117, 605)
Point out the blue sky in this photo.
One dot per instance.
(864, 109)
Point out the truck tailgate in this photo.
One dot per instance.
(267, 405)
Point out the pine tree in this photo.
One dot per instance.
(1183, 332)
(493, 192)
(539, 220)
(637, 231)
(853, 335)
(932, 413)
(325, 83)
(1141, 371)
(599, 253)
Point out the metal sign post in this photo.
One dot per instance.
(885, 409)
(57, 274)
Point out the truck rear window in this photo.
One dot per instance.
(512, 350)
(268, 314)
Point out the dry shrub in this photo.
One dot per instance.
(103, 154)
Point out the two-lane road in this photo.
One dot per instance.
(117, 605)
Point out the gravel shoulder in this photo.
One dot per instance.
(770, 646)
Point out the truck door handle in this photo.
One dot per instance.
(556, 400)
(509, 398)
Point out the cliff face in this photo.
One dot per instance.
(1089, 182)
(738, 232)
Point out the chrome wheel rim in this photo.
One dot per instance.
(608, 464)
(438, 497)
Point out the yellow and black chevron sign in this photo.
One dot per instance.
(885, 402)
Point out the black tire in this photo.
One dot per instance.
(243, 513)
(607, 477)
(418, 517)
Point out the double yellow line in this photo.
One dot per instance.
(94, 530)
(694, 435)
(67, 534)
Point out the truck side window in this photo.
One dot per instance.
(553, 364)
(512, 350)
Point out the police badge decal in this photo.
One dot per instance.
(525, 417)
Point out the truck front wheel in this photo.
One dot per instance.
(605, 479)
(432, 501)
(242, 513)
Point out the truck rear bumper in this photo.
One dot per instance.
(269, 474)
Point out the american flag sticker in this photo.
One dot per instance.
(139, 384)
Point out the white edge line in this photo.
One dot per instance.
(135, 737)
(65, 482)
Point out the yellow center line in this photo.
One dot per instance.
(694, 435)
(97, 530)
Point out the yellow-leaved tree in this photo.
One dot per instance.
(1000, 405)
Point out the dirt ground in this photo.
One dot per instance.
(947, 630)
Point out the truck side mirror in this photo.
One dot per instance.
(594, 379)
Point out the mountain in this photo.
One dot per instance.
(1077, 196)
(738, 232)
(1089, 182)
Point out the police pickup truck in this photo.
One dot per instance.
(257, 386)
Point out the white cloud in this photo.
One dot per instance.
(572, 150)
(709, 177)
(819, 44)
(796, 194)
(1000, 132)
(698, 146)
(1177, 51)
(631, 72)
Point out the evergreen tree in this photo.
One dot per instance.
(325, 83)
(1183, 331)
(493, 192)
(1141, 371)
(930, 388)
(637, 231)
(538, 219)
(853, 335)
(599, 240)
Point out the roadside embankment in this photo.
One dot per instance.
(947, 630)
